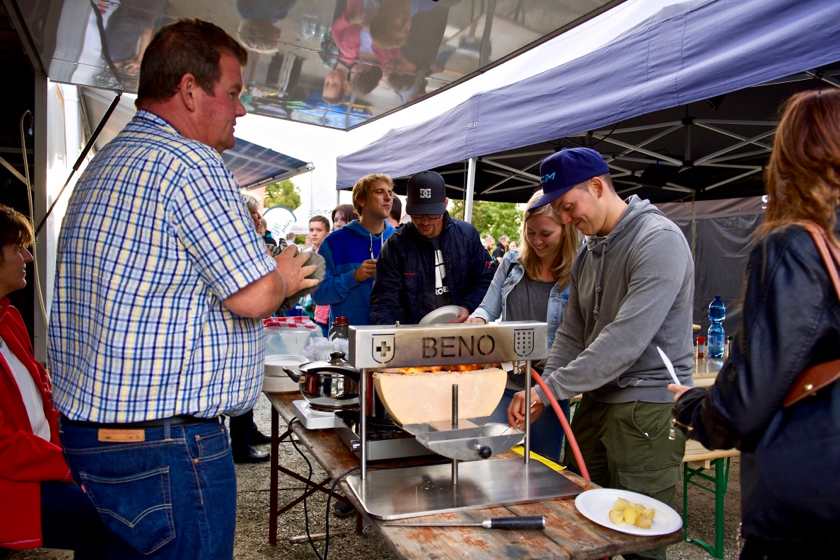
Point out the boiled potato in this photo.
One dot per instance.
(621, 504)
(643, 522)
(624, 511)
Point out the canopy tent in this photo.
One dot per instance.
(684, 53)
(254, 165)
(710, 149)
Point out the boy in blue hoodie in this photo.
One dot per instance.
(351, 252)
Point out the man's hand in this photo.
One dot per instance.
(516, 410)
(294, 270)
(476, 320)
(366, 270)
(678, 390)
(462, 316)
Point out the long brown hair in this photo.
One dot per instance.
(562, 265)
(803, 175)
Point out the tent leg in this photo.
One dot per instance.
(468, 196)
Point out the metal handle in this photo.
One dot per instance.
(532, 522)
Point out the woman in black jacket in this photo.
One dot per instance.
(790, 456)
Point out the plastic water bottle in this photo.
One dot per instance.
(717, 336)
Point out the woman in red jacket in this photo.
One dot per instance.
(41, 505)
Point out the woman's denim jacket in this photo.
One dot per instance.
(508, 274)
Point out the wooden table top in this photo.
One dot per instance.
(568, 534)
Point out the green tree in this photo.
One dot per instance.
(493, 218)
(284, 193)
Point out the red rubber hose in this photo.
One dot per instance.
(565, 423)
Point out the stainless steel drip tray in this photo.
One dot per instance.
(424, 490)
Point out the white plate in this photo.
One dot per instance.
(440, 315)
(595, 505)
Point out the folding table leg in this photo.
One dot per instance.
(720, 480)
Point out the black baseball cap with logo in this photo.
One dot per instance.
(426, 194)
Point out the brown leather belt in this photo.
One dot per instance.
(145, 425)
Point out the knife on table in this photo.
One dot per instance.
(513, 523)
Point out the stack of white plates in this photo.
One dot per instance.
(276, 379)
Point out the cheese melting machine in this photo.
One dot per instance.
(472, 480)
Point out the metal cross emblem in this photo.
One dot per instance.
(383, 348)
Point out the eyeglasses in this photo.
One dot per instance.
(426, 217)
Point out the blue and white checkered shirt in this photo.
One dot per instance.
(155, 237)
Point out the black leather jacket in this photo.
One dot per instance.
(403, 288)
(790, 486)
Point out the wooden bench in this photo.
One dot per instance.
(696, 460)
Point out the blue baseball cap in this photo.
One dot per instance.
(560, 172)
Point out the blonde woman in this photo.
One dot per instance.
(532, 284)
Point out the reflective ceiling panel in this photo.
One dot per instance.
(334, 63)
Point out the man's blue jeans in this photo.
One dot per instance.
(546, 433)
(163, 497)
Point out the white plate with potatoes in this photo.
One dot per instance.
(632, 513)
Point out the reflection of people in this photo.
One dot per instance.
(431, 262)
(41, 504)
(379, 32)
(155, 327)
(270, 11)
(340, 82)
(789, 456)
(533, 285)
(351, 252)
(128, 32)
(631, 291)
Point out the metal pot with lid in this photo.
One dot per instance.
(328, 386)
(334, 385)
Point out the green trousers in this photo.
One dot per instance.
(626, 446)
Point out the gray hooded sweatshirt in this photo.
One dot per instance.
(631, 291)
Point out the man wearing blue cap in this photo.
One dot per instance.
(431, 262)
(632, 288)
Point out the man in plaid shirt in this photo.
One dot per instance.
(155, 326)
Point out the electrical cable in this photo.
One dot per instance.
(327, 517)
(305, 491)
(41, 305)
(565, 423)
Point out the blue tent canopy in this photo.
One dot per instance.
(254, 165)
(685, 52)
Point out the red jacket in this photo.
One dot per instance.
(25, 459)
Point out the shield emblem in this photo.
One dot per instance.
(382, 349)
(523, 342)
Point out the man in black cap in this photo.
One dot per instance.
(433, 261)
